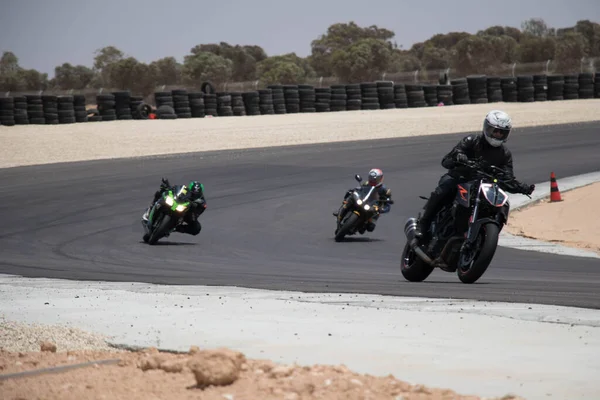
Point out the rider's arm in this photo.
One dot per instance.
(462, 147)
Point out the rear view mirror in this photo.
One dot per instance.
(358, 178)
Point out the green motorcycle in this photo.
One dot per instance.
(166, 214)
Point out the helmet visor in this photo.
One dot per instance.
(497, 133)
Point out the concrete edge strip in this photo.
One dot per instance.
(542, 191)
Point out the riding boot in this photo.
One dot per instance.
(431, 208)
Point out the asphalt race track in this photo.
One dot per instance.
(269, 221)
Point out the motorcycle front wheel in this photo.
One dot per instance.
(485, 248)
(162, 227)
(346, 226)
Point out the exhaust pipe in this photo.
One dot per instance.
(409, 230)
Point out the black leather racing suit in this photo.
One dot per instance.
(197, 206)
(473, 146)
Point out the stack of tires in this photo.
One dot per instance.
(35, 109)
(540, 87)
(415, 95)
(525, 89)
(7, 113)
(586, 85)
(431, 97)
(164, 105)
(123, 105)
(196, 101)
(353, 97)
(385, 93)
(444, 94)
(400, 98)
(571, 91)
(50, 104)
(597, 85)
(66, 110)
(460, 91)
(238, 105)
(369, 96)
(266, 103)
(494, 89)
(224, 108)
(477, 89)
(79, 108)
(278, 99)
(20, 111)
(308, 98)
(292, 99)
(556, 87)
(323, 99)
(338, 98)
(252, 103)
(181, 103)
(510, 93)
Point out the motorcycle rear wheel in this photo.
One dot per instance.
(412, 267)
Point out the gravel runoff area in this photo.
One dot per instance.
(572, 222)
(221, 373)
(34, 144)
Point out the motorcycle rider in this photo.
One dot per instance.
(375, 179)
(197, 206)
(489, 146)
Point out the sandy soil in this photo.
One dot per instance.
(573, 222)
(199, 374)
(35, 144)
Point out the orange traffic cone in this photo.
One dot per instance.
(554, 192)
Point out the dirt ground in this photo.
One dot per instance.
(199, 374)
(573, 222)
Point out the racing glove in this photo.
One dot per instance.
(461, 157)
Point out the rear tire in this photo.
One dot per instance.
(484, 258)
(345, 228)
(161, 228)
(412, 267)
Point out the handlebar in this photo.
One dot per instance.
(479, 166)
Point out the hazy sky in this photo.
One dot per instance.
(46, 33)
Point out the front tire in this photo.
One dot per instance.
(345, 228)
(161, 228)
(487, 249)
(413, 268)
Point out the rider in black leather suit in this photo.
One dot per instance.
(488, 146)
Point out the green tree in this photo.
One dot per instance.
(105, 58)
(591, 32)
(569, 50)
(167, 71)
(284, 69)
(244, 58)
(536, 49)
(341, 36)
(67, 76)
(365, 60)
(206, 66)
(535, 27)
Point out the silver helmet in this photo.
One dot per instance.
(496, 127)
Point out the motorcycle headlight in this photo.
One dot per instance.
(367, 207)
(359, 202)
(180, 207)
(169, 200)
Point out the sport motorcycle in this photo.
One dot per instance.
(362, 204)
(167, 213)
(464, 234)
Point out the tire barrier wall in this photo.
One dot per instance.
(292, 99)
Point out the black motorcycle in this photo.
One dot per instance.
(362, 204)
(167, 213)
(464, 234)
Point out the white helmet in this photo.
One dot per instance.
(496, 127)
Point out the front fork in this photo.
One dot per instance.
(469, 240)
